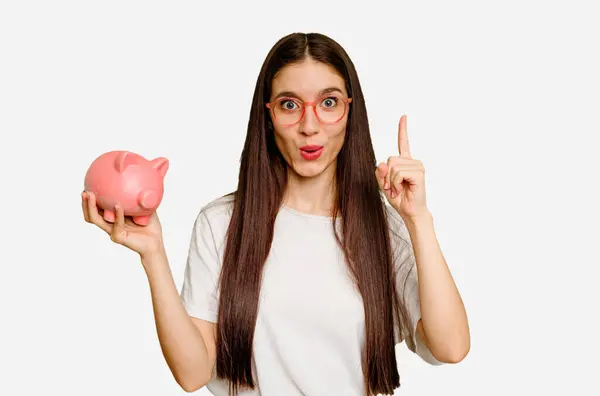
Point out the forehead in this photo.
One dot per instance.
(307, 79)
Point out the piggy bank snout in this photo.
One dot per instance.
(149, 199)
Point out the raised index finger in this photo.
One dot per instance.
(403, 146)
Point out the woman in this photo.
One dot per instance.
(302, 281)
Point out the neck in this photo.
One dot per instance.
(313, 195)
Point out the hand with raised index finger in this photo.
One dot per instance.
(402, 179)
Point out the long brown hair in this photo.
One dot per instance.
(364, 225)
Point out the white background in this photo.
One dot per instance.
(502, 101)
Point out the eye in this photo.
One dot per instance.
(288, 104)
(330, 102)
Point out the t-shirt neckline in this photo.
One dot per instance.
(303, 214)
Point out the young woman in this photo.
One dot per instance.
(303, 280)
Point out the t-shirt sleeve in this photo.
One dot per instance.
(199, 292)
(407, 287)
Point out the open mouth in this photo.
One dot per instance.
(311, 152)
(311, 148)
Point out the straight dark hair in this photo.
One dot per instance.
(361, 208)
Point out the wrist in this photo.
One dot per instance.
(416, 220)
(152, 256)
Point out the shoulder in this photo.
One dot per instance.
(399, 234)
(400, 243)
(218, 209)
(213, 217)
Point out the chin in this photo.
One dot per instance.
(309, 170)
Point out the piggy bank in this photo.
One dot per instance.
(127, 179)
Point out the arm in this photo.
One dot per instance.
(188, 344)
(443, 326)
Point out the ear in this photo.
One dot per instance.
(123, 160)
(161, 164)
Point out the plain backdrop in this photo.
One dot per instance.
(502, 101)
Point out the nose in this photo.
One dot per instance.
(309, 124)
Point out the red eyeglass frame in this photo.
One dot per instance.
(305, 105)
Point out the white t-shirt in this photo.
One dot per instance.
(310, 325)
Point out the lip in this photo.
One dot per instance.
(311, 147)
(311, 152)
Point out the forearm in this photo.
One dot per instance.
(443, 314)
(181, 342)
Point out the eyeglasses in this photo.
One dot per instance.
(329, 109)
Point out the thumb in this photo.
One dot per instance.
(381, 173)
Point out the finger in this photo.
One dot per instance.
(381, 173)
(400, 173)
(403, 146)
(118, 229)
(95, 217)
(394, 171)
(397, 179)
(392, 162)
(405, 177)
(84, 207)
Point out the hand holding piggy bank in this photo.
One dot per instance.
(127, 179)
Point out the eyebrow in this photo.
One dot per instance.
(295, 95)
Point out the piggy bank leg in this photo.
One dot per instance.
(141, 220)
(109, 216)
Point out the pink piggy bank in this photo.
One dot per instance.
(130, 180)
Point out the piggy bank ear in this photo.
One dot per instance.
(123, 160)
(161, 164)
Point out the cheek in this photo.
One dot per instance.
(283, 135)
(336, 136)
(283, 140)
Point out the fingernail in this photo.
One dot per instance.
(385, 185)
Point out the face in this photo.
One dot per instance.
(305, 82)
